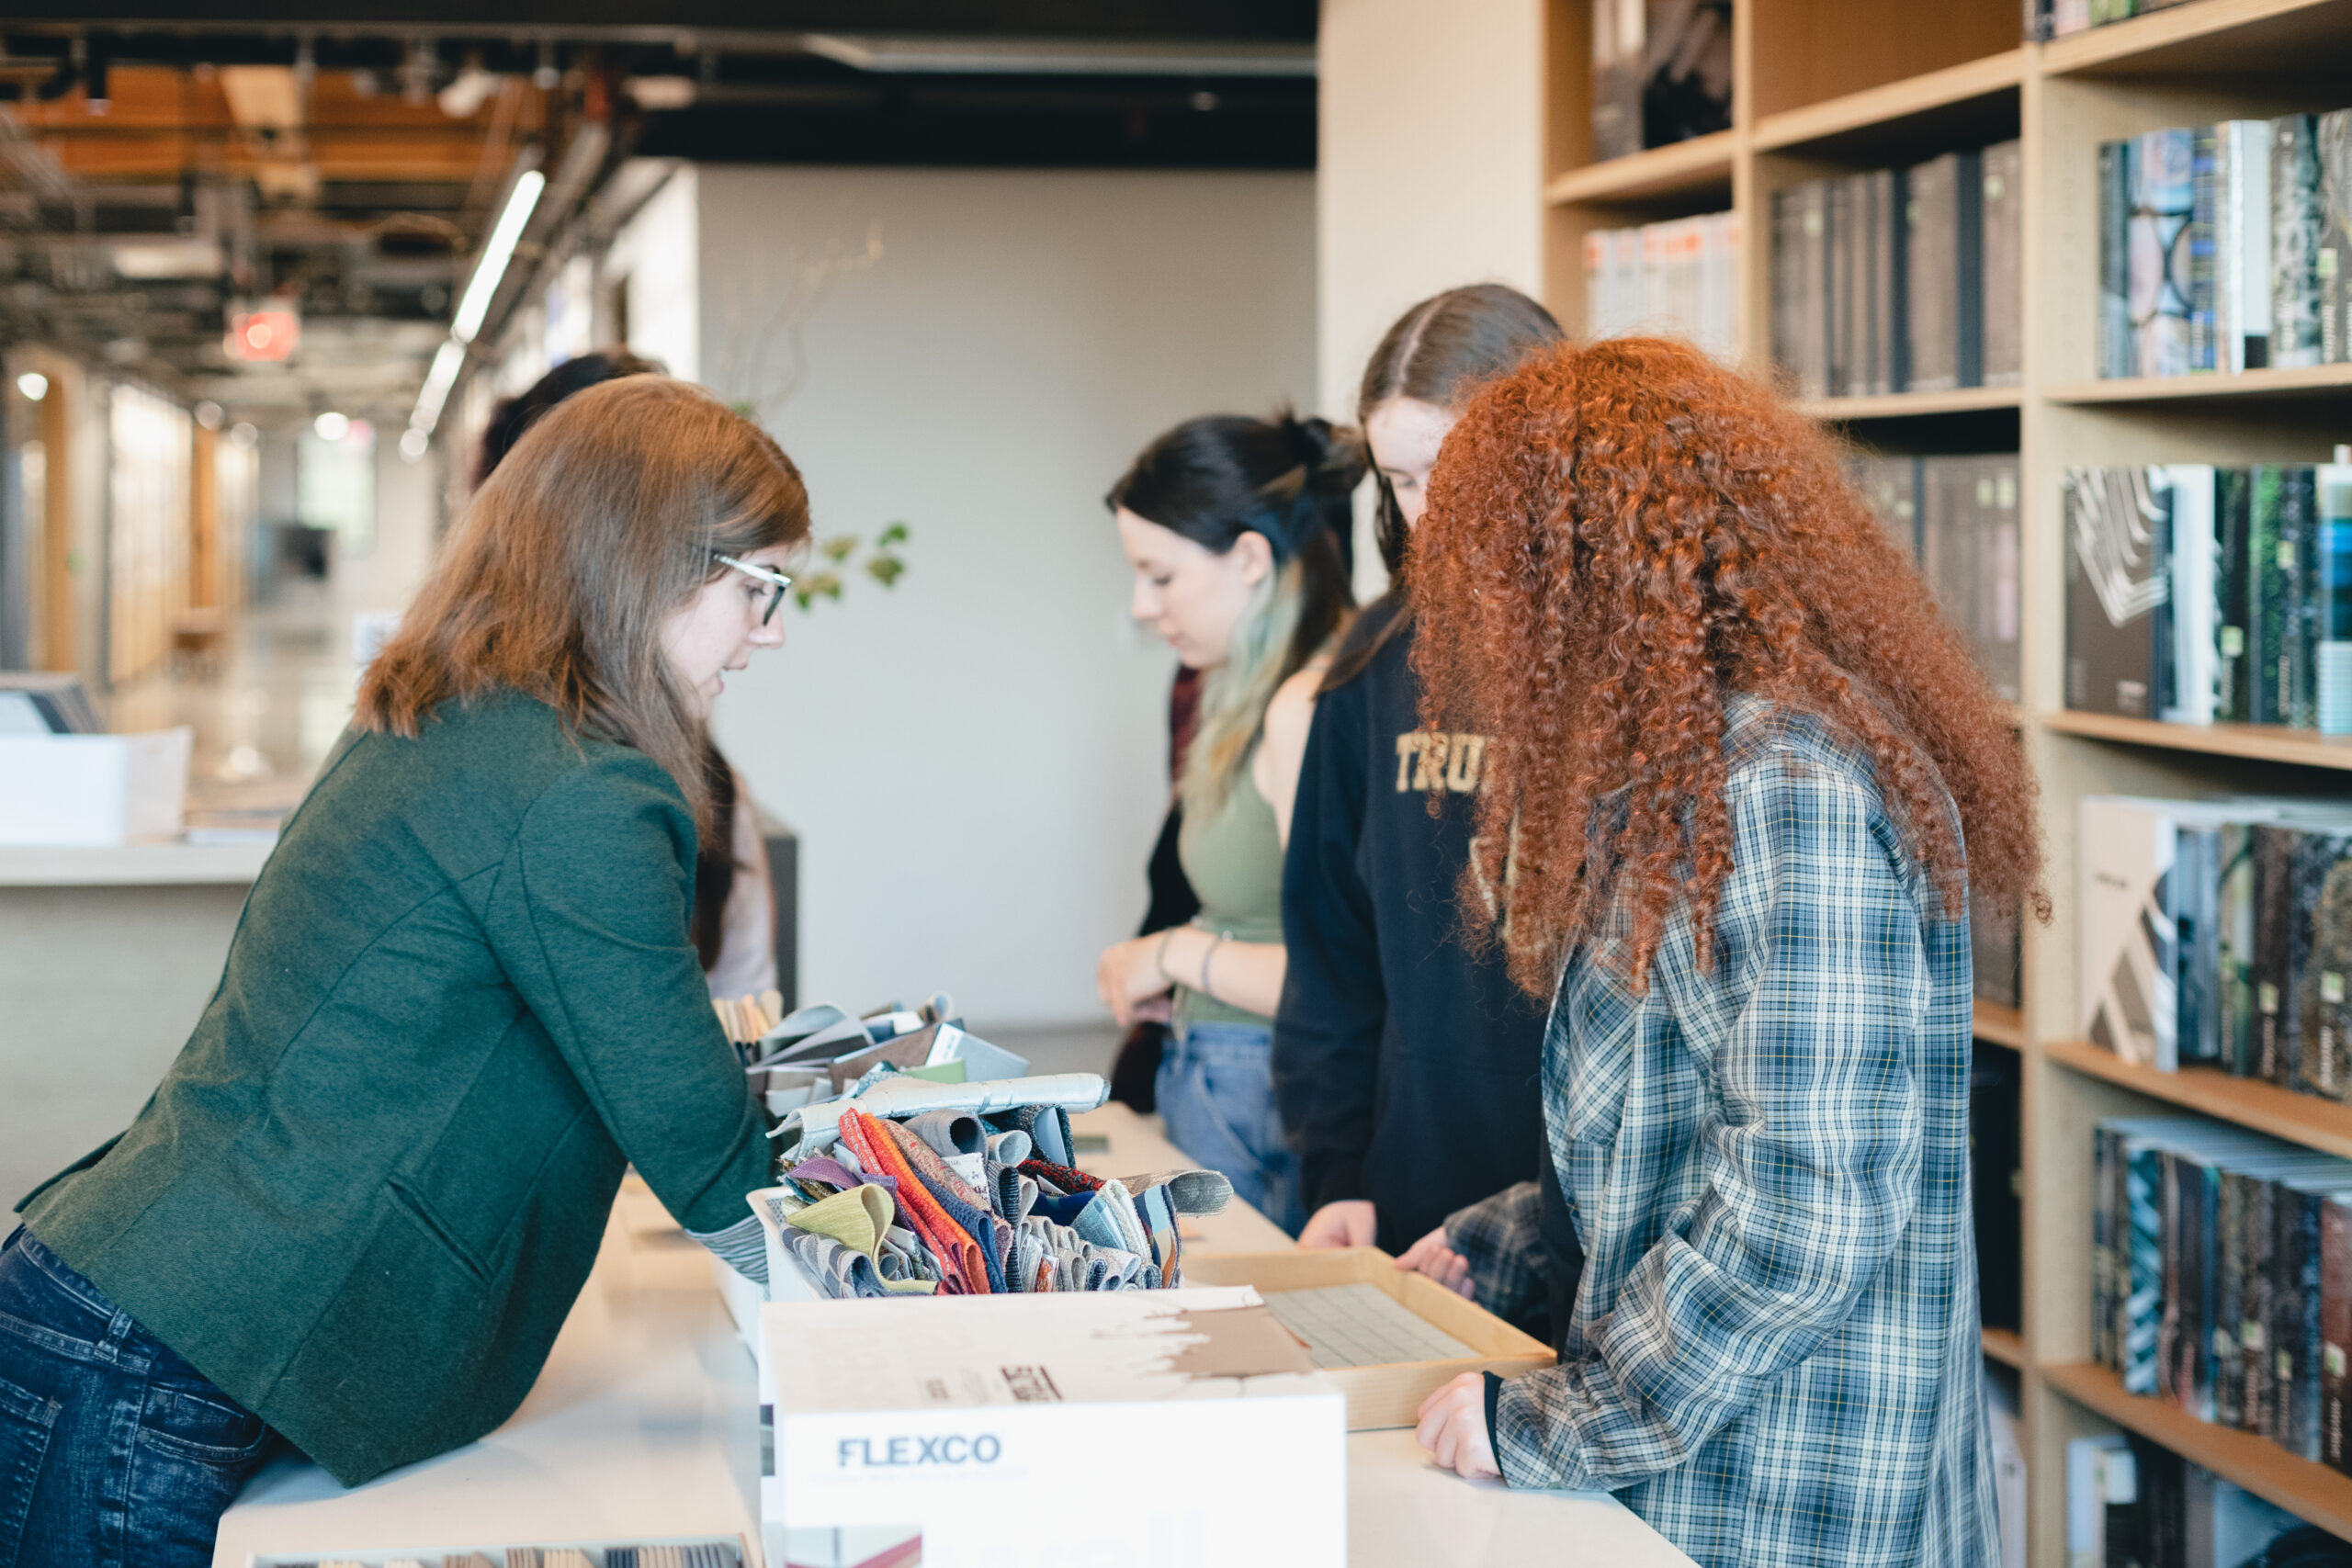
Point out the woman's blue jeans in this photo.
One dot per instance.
(1217, 1095)
(114, 1452)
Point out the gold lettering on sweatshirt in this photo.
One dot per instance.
(1425, 760)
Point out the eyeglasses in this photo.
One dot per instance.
(766, 574)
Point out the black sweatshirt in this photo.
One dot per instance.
(1406, 1072)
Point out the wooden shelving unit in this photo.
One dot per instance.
(2253, 742)
(1700, 164)
(2000, 1025)
(1980, 84)
(2323, 1125)
(1912, 405)
(1825, 85)
(2322, 383)
(2221, 36)
(2314, 1491)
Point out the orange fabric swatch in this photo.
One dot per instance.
(948, 1240)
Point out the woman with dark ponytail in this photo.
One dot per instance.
(1235, 529)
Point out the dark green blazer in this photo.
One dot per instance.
(460, 1000)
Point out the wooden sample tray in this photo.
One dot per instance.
(1390, 1394)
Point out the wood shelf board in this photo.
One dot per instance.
(2314, 382)
(2000, 1025)
(2260, 742)
(1864, 119)
(1911, 405)
(2311, 1490)
(1683, 169)
(2270, 37)
(2005, 1346)
(2305, 1119)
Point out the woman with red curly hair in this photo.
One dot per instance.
(1749, 779)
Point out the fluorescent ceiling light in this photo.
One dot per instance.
(663, 92)
(437, 382)
(500, 249)
(1058, 57)
(167, 258)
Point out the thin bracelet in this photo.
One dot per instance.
(1205, 956)
(1159, 958)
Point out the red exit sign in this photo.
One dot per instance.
(263, 334)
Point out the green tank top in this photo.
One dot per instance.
(1234, 861)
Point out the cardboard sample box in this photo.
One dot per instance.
(1386, 1394)
(1154, 1428)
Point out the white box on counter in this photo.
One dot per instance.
(1156, 1428)
(79, 791)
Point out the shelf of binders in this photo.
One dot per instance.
(1683, 169)
(2305, 1119)
(2257, 742)
(2003, 1346)
(2209, 37)
(1910, 405)
(2314, 1492)
(1997, 1025)
(1974, 101)
(2317, 383)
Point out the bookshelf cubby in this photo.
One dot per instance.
(2318, 384)
(1913, 405)
(1822, 86)
(1997, 1025)
(2319, 1495)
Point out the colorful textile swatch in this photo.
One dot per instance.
(962, 1269)
(1065, 1179)
(969, 1209)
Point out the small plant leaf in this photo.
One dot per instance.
(896, 534)
(885, 569)
(840, 547)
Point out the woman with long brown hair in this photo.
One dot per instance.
(1402, 1060)
(461, 1000)
(1743, 781)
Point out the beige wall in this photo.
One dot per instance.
(977, 761)
(1430, 141)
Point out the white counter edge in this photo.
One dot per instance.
(168, 863)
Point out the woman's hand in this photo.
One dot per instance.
(1351, 1222)
(1454, 1428)
(1435, 1256)
(1128, 978)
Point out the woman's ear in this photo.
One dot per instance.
(1252, 556)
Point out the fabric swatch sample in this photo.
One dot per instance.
(969, 1209)
(1190, 1191)
(961, 1267)
(1065, 1179)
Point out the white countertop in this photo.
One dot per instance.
(645, 1425)
(171, 862)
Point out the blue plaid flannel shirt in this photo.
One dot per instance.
(1774, 1357)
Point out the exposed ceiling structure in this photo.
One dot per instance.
(161, 176)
